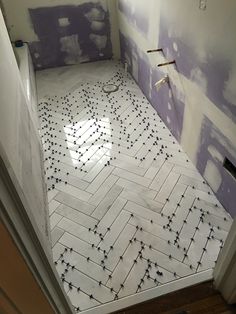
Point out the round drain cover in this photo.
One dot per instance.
(110, 88)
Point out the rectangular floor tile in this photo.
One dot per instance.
(75, 203)
(132, 177)
(107, 202)
(142, 200)
(76, 216)
(78, 231)
(82, 247)
(103, 190)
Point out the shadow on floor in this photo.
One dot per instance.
(202, 298)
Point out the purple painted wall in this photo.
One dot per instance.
(173, 110)
(212, 139)
(214, 69)
(206, 68)
(70, 34)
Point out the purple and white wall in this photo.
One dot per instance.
(200, 106)
(64, 32)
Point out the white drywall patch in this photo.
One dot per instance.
(70, 45)
(95, 15)
(230, 90)
(175, 46)
(64, 21)
(212, 175)
(215, 154)
(99, 40)
(198, 77)
(97, 25)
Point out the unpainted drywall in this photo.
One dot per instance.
(20, 144)
(200, 106)
(65, 32)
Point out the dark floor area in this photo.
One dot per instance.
(202, 298)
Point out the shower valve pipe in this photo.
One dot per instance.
(166, 63)
(154, 50)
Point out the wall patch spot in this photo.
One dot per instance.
(175, 46)
(63, 21)
(212, 175)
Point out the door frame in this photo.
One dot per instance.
(225, 270)
(15, 216)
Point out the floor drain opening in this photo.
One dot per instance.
(110, 88)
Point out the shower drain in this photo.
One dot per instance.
(110, 88)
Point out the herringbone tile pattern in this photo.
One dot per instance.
(128, 210)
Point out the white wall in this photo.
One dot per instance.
(18, 137)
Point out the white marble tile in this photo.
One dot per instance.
(167, 187)
(56, 234)
(52, 206)
(101, 177)
(132, 177)
(76, 216)
(81, 301)
(51, 194)
(120, 246)
(174, 198)
(153, 228)
(170, 264)
(74, 181)
(134, 279)
(159, 244)
(82, 247)
(209, 257)
(87, 267)
(57, 250)
(75, 203)
(97, 168)
(145, 213)
(161, 274)
(189, 228)
(54, 219)
(199, 185)
(90, 286)
(187, 172)
(78, 231)
(142, 200)
(73, 191)
(127, 178)
(111, 215)
(161, 176)
(122, 269)
(195, 250)
(116, 228)
(103, 190)
(129, 167)
(132, 186)
(201, 194)
(107, 202)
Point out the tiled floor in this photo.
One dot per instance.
(128, 210)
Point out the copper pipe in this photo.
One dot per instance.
(154, 50)
(166, 63)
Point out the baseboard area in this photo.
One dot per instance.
(152, 293)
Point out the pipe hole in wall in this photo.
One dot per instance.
(228, 165)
